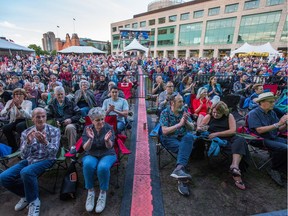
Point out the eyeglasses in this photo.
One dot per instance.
(98, 120)
(169, 86)
(40, 116)
(271, 102)
(18, 94)
(60, 94)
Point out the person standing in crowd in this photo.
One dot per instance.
(177, 137)
(98, 141)
(39, 146)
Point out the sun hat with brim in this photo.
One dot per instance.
(265, 96)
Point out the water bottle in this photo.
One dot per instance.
(73, 150)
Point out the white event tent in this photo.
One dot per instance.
(7, 47)
(81, 49)
(247, 48)
(135, 45)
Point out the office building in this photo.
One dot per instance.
(207, 28)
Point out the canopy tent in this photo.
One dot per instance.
(7, 47)
(135, 45)
(247, 48)
(81, 49)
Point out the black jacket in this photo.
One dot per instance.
(70, 110)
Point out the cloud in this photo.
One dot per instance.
(6, 24)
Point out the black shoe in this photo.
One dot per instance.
(275, 175)
(183, 188)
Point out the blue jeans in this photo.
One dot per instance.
(120, 126)
(279, 153)
(103, 165)
(182, 146)
(84, 111)
(22, 178)
(278, 144)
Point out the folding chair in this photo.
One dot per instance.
(6, 159)
(119, 145)
(256, 146)
(157, 133)
(60, 160)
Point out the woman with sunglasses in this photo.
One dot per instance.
(98, 141)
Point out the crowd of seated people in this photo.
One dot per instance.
(70, 86)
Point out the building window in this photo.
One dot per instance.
(161, 20)
(119, 27)
(184, 16)
(134, 25)
(274, 2)
(152, 37)
(143, 24)
(114, 29)
(259, 28)
(190, 34)
(127, 26)
(220, 31)
(152, 22)
(213, 11)
(166, 36)
(248, 5)
(231, 8)
(115, 41)
(198, 14)
(284, 35)
(173, 18)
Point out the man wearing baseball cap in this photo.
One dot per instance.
(264, 122)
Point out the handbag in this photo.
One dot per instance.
(69, 183)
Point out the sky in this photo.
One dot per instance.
(25, 21)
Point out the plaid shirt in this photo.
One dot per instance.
(36, 151)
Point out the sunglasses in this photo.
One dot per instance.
(98, 120)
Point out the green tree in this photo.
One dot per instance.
(36, 48)
(54, 53)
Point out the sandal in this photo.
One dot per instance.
(239, 183)
(235, 171)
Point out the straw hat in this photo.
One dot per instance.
(265, 96)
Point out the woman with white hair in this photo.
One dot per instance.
(98, 141)
(201, 104)
(84, 98)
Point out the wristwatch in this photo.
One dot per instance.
(276, 125)
(19, 108)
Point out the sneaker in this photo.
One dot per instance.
(21, 204)
(90, 201)
(275, 175)
(101, 202)
(180, 174)
(183, 188)
(34, 208)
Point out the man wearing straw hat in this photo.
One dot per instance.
(264, 122)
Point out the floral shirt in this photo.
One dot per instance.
(168, 119)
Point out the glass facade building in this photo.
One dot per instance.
(190, 34)
(220, 31)
(211, 28)
(259, 28)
